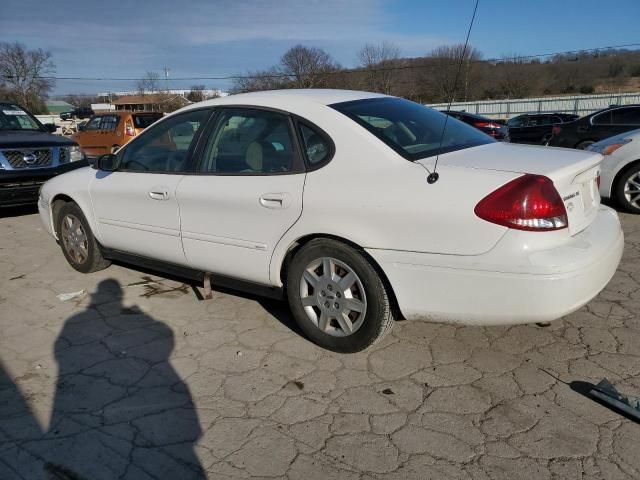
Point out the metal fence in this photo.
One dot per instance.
(578, 104)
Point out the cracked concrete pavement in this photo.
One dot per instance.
(136, 378)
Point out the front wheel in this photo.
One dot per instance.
(78, 244)
(337, 297)
(627, 189)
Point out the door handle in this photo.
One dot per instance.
(274, 200)
(159, 194)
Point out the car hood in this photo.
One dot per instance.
(31, 139)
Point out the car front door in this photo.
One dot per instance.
(246, 194)
(136, 206)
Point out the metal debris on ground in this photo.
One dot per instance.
(607, 393)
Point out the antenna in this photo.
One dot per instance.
(433, 176)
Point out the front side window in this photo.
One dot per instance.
(411, 129)
(626, 116)
(164, 147)
(517, 122)
(94, 123)
(246, 142)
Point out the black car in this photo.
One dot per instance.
(537, 128)
(30, 155)
(78, 112)
(595, 127)
(491, 127)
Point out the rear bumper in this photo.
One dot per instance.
(541, 286)
(21, 187)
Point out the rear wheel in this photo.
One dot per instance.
(337, 297)
(627, 189)
(78, 244)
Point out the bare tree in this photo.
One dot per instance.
(150, 83)
(196, 93)
(307, 67)
(379, 61)
(25, 75)
(516, 78)
(270, 79)
(448, 60)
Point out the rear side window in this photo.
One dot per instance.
(603, 118)
(94, 123)
(626, 116)
(143, 121)
(316, 148)
(109, 122)
(411, 129)
(517, 122)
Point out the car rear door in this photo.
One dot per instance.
(136, 206)
(246, 193)
(625, 119)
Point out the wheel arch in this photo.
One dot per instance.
(60, 199)
(297, 244)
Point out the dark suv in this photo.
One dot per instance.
(536, 129)
(595, 127)
(30, 155)
(78, 112)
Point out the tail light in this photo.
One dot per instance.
(128, 130)
(486, 125)
(598, 180)
(556, 130)
(530, 202)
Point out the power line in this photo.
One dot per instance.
(348, 71)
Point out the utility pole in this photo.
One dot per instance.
(166, 77)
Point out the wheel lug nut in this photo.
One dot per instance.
(338, 295)
(336, 305)
(329, 287)
(327, 304)
(323, 293)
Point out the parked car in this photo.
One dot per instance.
(107, 132)
(595, 127)
(620, 169)
(536, 129)
(493, 128)
(322, 196)
(30, 155)
(77, 112)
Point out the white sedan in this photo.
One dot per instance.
(620, 169)
(322, 196)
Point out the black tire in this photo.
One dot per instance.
(378, 316)
(619, 188)
(94, 260)
(584, 144)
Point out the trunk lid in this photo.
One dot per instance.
(573, 172)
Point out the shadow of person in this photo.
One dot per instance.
(18, 426)
(120, 409)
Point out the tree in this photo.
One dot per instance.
(516, 78)
(150, 83)
(196, 93)
(270, 79)
(307, 67)
(378, 60)
(25, 75)
(449, 62)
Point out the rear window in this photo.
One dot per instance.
(411, 129)
(143, 121)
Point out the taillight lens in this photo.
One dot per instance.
(486, 125)
(128, 130)
(530, 202)
(556, 130)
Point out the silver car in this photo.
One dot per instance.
(620, 169)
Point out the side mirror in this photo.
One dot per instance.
(106, 163)
(50, 127)
(82, 128)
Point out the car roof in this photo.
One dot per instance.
(460, 112)
(290, 97)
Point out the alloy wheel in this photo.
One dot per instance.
(74, 238)
(333, 296)
(632, 190)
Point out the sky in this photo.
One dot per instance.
(124, 39)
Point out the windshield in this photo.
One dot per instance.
(411, 129)
(13, 117)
